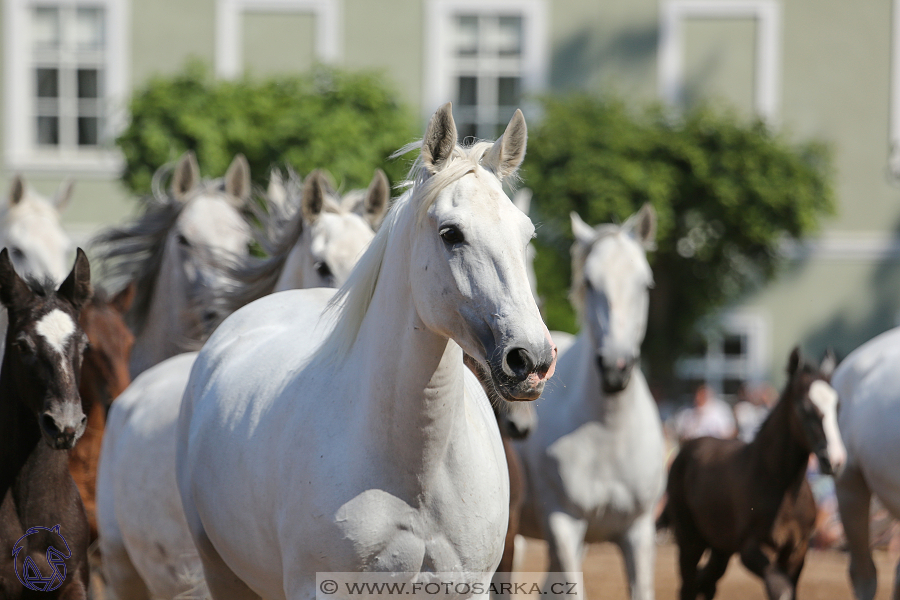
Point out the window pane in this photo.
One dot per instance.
(45, 28)
(468, 91)
(88, 83)
(89, 28)
(466, 36)
(733, 345)
(88, 131)
(48, 83)
(48, 131)
(509, 91)
(509, 36)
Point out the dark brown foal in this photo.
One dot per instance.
(40, 421)
(726, 496)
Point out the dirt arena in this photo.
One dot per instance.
(824, 577)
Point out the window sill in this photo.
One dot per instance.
(99, 163)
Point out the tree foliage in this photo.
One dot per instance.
(727, 194)
(347, 123)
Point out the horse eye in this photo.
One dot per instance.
(17, 254)
(24, 346)
(452, 236)
(322, 269)
(183, 241)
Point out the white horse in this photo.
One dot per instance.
(360, 440)
(145, 542)
(868, 384)
(313, 241)
(594, 463)
(31, 230)
(173, 252)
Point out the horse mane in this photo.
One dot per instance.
(134, 252)
(351, 301)
(278, 231)
(580, 253)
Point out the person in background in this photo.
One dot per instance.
(752, 408)
(710, 416)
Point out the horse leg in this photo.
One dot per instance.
(689, 554)
(565, 541)
(854, 499)
(639, 550)
(779, 585)
(123, 582)
(711, 573)
(502, 580)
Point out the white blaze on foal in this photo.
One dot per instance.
(56, 327)
(826, 400)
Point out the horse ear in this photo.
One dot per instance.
(440, 139)
(276, 192)
(122, 301)
(584, 233)
(186, 176)
(642, 226)
(237, 178)
(508, 151)
(522, 200)
(829, 363)
(77, 286)
(377, 197)
(794, 361)
(16, 190)
(314, 193)
(13, 290)
(64, 194)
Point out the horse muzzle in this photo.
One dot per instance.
(61, 434)
(521, 373)
(615, 374)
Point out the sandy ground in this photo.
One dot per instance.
(824, 577)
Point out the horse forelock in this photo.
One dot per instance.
(352, 299)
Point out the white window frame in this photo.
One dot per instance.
(21, 150)
(713, 368)
(438, 46)
(230, 31)
(674, 13)
(894, 126)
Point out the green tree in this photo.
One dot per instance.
(347, 123)
(727, 194)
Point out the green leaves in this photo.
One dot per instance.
(347, 123)
(727, 193)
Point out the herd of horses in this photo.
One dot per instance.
(358, 398)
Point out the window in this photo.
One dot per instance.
(727, 355)
(484, 57)
(64, 83)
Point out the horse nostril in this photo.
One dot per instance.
(520, 362)
(49, 425)
(84, 419)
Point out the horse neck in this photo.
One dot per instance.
(411, 379)
(776, 452)
(165, 329)
(20, 438)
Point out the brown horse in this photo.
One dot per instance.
(42, 519)
(104, 374)
(726, 495)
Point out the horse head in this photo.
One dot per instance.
(44, 347)
(816, 405)
(30, 229)
(611, 282)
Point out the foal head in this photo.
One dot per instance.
(611, 279)
(104, 372)
(44, 345)
(815, 406)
